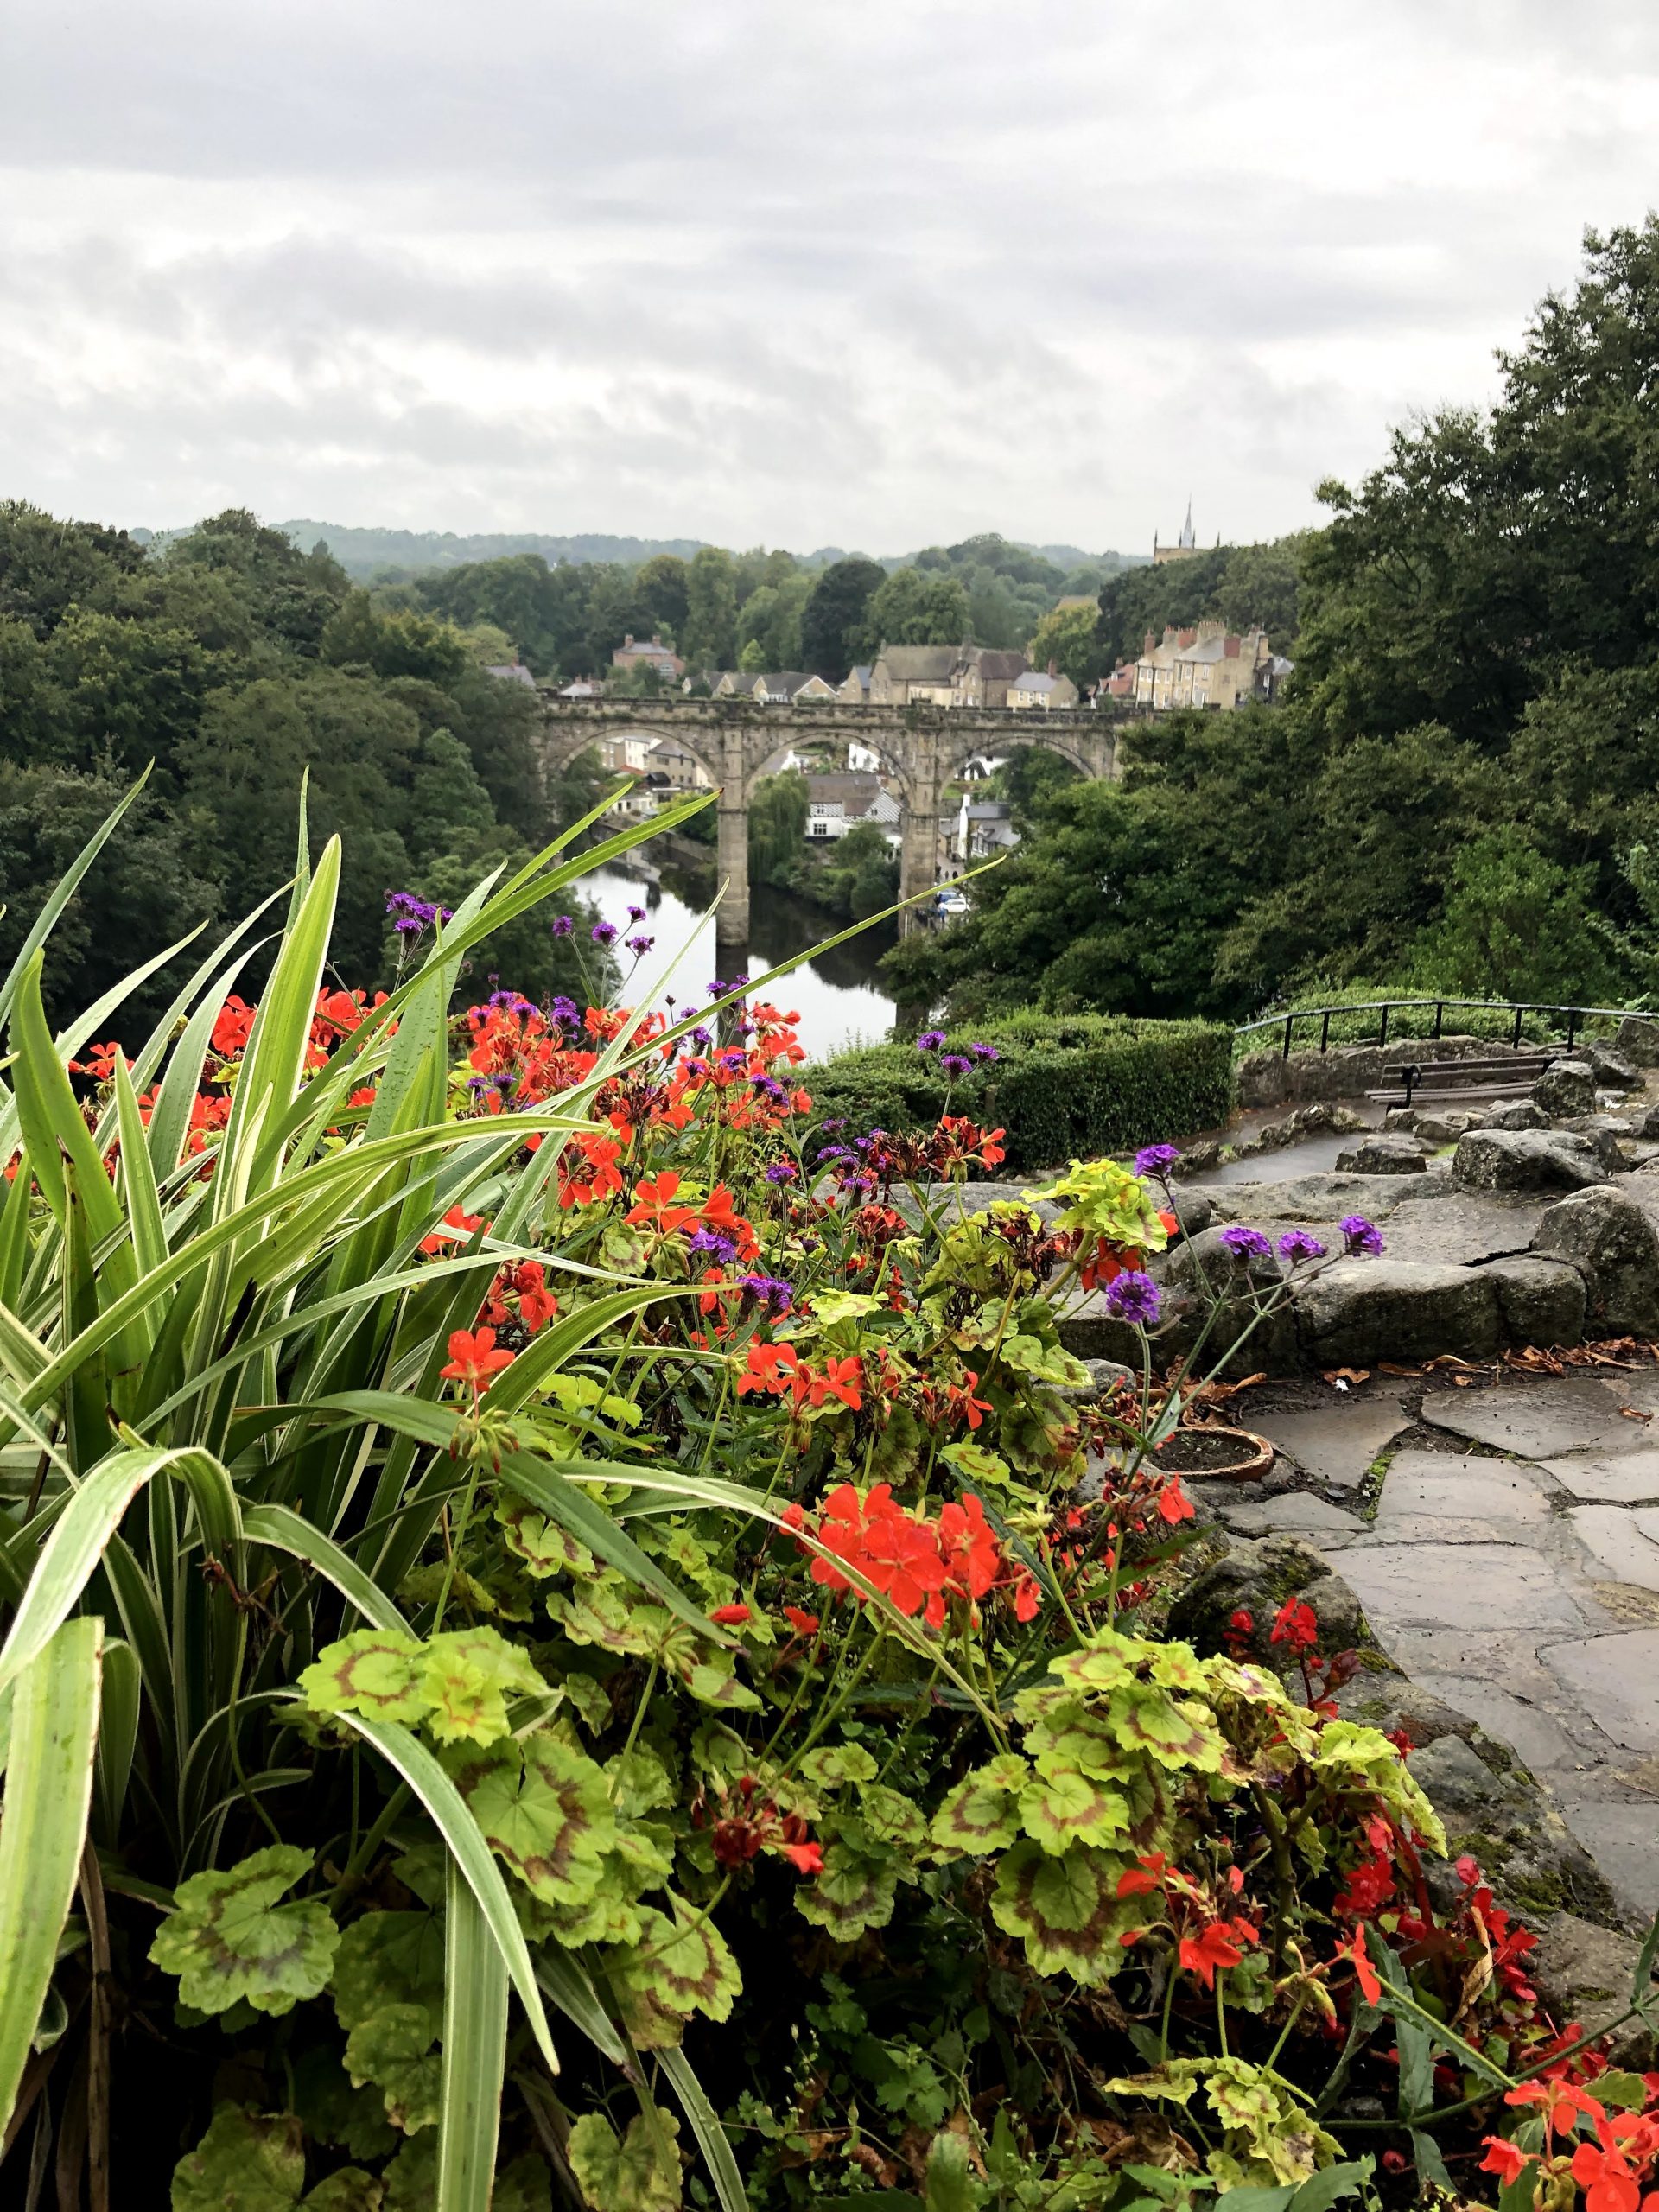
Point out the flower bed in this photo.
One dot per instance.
(556, 1647)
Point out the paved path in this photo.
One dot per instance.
(1512, 1568)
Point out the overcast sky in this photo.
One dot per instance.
(865, 272)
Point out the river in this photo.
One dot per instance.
(839, 996)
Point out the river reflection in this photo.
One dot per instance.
(838, 994)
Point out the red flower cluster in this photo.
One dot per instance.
(525, 1282)
(1208, 1939)
(744, 1824)
(780, 1371)
(1611, 2163)
(473, 1358)
(918, 1564)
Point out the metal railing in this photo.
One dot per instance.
(1575, 1017)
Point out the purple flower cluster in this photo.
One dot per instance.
(1359, 1234)
(720, 1250)
(640, 945)
(1157, 1159)
(930, 1040)
(1247, 1243)
(781, 1171)
(770, 1291)
(1132, 1297)
(565, 1012)
(1296, 1245)
(516, 1000)
(956, 1064)
(563, 926)
(767, 1086)
(636, 913)
(410, 915)
(982, 1051)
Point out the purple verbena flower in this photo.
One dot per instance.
(563, 925)
(636, 913)
(1132, 1297)
(984, 1051)
(703, 1039)
(770, 1291)
(836, 1122)
(720, 1250)
(565, 1012)
(603, 933)
(1296, 1245)
(1156, 1159)
(834, 1152)
(930, 1040)
(956, 1064)
(640, 945)
(1360, 1234)
(1247, 1243)
(717, 989)
(781, 1171)
(767, 1086)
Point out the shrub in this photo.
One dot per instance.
(1062, 1086)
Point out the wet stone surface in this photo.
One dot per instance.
(1510, 1563)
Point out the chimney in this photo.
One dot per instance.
(1229, 648)
(1054, 669)
(1185, 638)
(627, 641)
(1151, 645)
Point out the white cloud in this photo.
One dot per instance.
(848, 272)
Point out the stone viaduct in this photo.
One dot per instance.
(922, 747)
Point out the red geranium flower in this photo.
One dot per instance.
(473, 1357)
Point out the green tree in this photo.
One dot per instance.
(711, 608)
(359, 635)
(1514, 925)
(778, 814)
(833, 621)
(912, 608)
(1070, 638)
(661, 583)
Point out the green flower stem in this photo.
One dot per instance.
(363, 1857)
(633, 1732)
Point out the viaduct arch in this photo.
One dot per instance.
(734, 739)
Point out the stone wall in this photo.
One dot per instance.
(1266, 1079)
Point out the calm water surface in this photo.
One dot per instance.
(839, 996)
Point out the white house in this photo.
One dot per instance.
(838, 803)
(984, 827)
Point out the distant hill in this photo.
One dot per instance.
(366, 553)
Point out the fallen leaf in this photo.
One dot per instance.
(1462, 1381)
(1343, 1375)
(1393, 1366)
(1630, 1412)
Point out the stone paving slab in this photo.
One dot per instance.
(1537, 1419)
(1623, 1841)
(1336, 1444)
(1611, 1478)
(1297, 1513)
(1440, 1485)
(1471, 1588)
(1623, 1541)
(1539, 1739)
(1617, 1678)
(1464, 1229)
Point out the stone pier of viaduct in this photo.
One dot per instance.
(921, 748)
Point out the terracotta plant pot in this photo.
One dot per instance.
(1215, 1454)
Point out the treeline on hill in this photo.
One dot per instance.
(756, 610)
(234, 662)
(1460, 792)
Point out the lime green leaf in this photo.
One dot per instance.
(543, 1807)
(228, 1938)
(889, 1816)
(374, 1671)
(1175, 1733)
(639, 2173)
(389, 1958)
(455, 1685)
(54, 1705)
(854, 1892)
(1067, 1909)
(835, 1764)
(981, 1812)
(246, 2162)
(393, 2049)
(1059, 1810)
(680, 1967)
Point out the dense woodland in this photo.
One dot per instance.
(1461, 790)
(234, 663)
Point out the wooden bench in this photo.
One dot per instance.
(1500, 1076)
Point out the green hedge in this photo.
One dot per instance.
(1064, 1086)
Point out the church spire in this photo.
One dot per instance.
(1187, 538)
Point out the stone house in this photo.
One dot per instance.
(510, 671)
(944, 675)
(838, 803)
(855, 691)
(671, 771)
(1204, 666)
(984, 827)
(652, 653)
(1043, 690)
(780, 689)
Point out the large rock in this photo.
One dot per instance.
(1205, 1269)
(1195, 1209)
(1568, 1087)
(1446, 1124)
(1258, 1577)
(1638, 1040)
(1613, 1070)
(1608, 1237)
(1513, 1114)
(1392, 1151)
(1526, 1159)
(1493, 1809)
(1603, 1131)
(1543, 1301)
(1586, 1972)
(1358, 1312)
